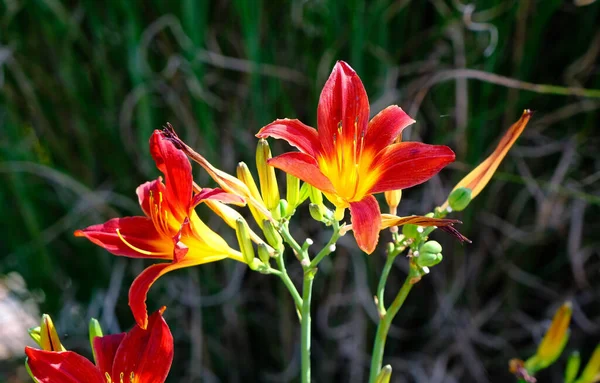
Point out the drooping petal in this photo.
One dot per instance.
(226, 181)
(176, 167)
(105, 349)
(147, 353)
(385, 127)
(343, 111)
(63, 367)
(366, 221)
(134, 237)
(478, 178)
(407, 164)
(140, 286)
(297, 134)
(388, 220)
(217, 195)
(305, 167)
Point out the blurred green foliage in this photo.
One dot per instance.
(84, 83)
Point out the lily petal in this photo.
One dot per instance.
(176, 167)
(343, 111)
(138, 291)
(143, 192)
(63, 367)
(305, 167)
(388, 220)
(148, 354)
(407, 164)
(217, 195)
(479, 177)
(385, 127)
(297, 134)
(138, 238)
(105, 349)
(366, 220)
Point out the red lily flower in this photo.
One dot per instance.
(139, 356)
(170, 229)
(351, 158)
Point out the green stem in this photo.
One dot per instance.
(329, 247)
(288, 282)
(384, 325)
(389, 262)
(287, 237)
(309, 275)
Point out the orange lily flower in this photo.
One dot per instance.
(170, 230)
(139, 356)
(479, 177)
(351, 158)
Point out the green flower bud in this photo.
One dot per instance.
(315, 195)
(263, 253)
(283, 207)
(410, 231)
(384, 375)
(572, 367)
(315, 212)
(459, 199)
(433, 247)
(94, 331)
(272, 235)
(428, 259)
(292, 190)
(242, 233)
(592, 369)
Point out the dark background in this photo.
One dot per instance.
(84, 83)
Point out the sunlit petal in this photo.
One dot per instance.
(305, 167)
(385, 127)
(147, 354)
(343, 111)
(297, 134)
(63, 367)
(407, 164)
(134, 237)
(105, 349)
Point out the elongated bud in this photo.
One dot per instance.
(591, 372)
(384, 375)
(244, 175)
(459, 199)
(271, 234)
(242, 232)
(94, 331)
(304, 192)
(572, 367)
(554, 340)
(315, 195)
(282, 206)
(292, 191)
(266, 175)
(48, 337)
(430, 254)
(393, 198)
(315, 212)
(263, 253)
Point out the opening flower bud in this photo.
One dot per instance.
(266, 175)
(459, 199)
(244, 175)
(49, 340)
(554, 340)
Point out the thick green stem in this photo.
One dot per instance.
(309, 275)
(384, 326)
(329, 247)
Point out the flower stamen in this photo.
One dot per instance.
(137, 249)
